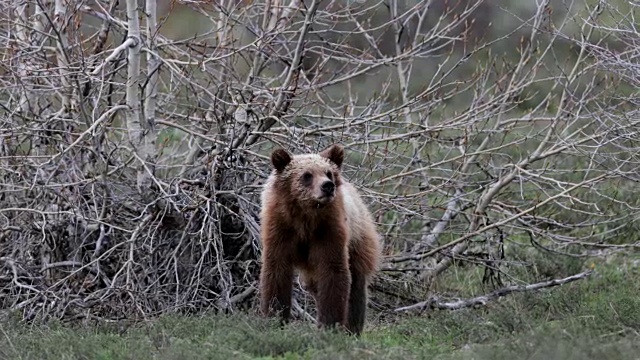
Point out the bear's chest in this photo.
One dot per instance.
(302, 253)
(311, 237)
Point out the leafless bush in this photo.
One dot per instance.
(132, 159)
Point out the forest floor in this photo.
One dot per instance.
(595, 318)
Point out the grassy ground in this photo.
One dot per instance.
(598, 318)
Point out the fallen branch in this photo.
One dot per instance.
(435, 303)
(238, 298)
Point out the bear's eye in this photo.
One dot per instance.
(330, 175)
(307, 176)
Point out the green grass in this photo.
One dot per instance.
(598, 318)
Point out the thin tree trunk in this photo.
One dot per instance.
(150, 91)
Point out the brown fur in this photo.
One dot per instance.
(331, 240)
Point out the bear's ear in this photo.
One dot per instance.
(280, 158)
(335, 153)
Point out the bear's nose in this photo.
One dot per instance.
(328, 187)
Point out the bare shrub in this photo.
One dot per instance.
(132, 154)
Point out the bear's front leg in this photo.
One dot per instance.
(333, 281)
(276, 284)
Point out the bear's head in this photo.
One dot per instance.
(310, 180)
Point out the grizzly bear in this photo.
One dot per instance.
(314, 221)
